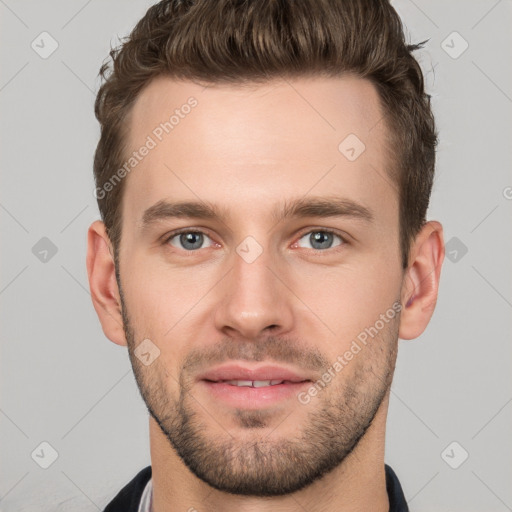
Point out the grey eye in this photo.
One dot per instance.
(189, 240)
(320, 239)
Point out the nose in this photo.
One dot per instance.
(254, 300)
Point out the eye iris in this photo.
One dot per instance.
(323, 238)
(195, 239)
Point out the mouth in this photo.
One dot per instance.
(242, 374)
(257, 383)
(247, 387)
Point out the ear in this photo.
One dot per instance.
(421, 280)
(102, 282)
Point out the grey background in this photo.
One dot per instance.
(63, 382)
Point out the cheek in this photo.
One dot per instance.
(160, 298)
(349, 298)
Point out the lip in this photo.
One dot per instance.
(241, 372)
(212, 382)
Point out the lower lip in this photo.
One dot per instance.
(251, 398)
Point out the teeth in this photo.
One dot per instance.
(261, 383)
(253, 383)
(240, 382)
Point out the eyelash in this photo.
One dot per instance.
(343, 239)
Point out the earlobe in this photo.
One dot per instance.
(421, 282)
(103, 284)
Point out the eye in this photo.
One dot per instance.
(321, 239)
(188, 240)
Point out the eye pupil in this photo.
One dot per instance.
(323, 238)
(191, 241)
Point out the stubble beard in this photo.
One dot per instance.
(265, 464)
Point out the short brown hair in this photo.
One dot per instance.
(243, 41)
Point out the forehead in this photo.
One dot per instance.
(249, 147)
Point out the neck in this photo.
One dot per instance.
(358, 484)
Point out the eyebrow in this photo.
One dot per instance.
(297, 208)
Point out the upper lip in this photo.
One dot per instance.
(241, 372)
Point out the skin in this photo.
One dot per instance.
(249, 150)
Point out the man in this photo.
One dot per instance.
(263, 176)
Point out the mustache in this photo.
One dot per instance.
(276, 349)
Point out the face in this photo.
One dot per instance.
(261, 260)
